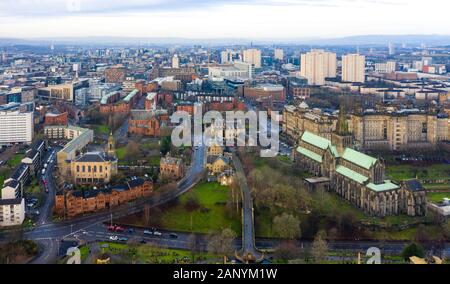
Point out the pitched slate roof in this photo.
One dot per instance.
(413, 185)
(359, 158)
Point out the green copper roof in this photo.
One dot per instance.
(359, 158)
(334, 151)
(309, 154)
(386, 186)
(131, 95)
(359, 178)
(316, 140)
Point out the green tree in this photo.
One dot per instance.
(413, 250)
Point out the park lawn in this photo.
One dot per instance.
(84, 251)
(150, 254)
(121, 153)
(405, 172)
(102, 129)
(15, 160)
(437, 196)
(211, 196)
(437, 186)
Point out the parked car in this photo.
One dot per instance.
(173, 236)
(147, 232)
(113, 238)
(143, 241)
(156, 233)
(120, 229)
(123, 239)
(130, 231)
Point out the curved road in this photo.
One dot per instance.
(49, 234)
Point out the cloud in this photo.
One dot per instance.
(58, 8)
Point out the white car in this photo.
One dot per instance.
(113, 238)
(156, 233)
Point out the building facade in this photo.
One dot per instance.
(358, 178)
(317, 65)
(353, 68)
(73, 203)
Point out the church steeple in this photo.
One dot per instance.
(111, 148)
(342, 124)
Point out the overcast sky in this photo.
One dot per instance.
(222, 18)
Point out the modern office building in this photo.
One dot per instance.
(317, 65)
(353, 68)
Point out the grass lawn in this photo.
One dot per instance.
(101, 129)
(150, 254)
(121, 153)
(211, 216)
(437, 196)
(437, 186)
(405, 172)
(15, 160)
(84, 250)
(209, 195)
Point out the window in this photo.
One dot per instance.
(89, 169)
(95, 169)
(78, 168)
(84, 169)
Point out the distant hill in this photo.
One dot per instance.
(430, 40)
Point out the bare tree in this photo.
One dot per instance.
(221, 243)
(319, 249)
(286, 226)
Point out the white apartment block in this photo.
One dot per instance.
(279, 54)
(353, 68)
(317, 65)
(387, 67)
(16, 127)
(12, 212)
(252, 56)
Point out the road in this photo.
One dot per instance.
(48, 234)
(248, 234)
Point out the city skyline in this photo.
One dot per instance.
(217, 19)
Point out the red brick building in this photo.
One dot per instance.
(115, 75)
(74, 203)
(56, 119)
(147, 123)
(265, 93)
